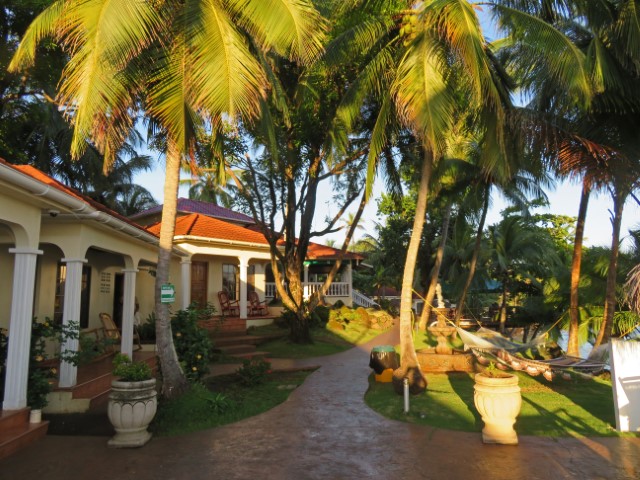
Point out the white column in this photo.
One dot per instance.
(348, 278)
(244, 264)
(128, 311)
(305, 284)
(24, 275)
(71, 312)
(185, 266)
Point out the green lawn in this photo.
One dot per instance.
(575, 408)
(325, 342)
(222, 400)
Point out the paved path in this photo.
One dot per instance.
(325, 431)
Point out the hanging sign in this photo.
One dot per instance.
(167, 293)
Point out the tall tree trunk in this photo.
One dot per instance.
(503, 305)
(474, 258)
(573, 346)
(174, 381)
(610, 297)
(435, 274)
(409, 366)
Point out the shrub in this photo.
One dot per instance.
(128, 371)
(193, 345)
(38, 385)
(254, 371)
(147, 330)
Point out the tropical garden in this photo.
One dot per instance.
(268, 102)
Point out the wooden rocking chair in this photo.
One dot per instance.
(112, 332)
(228, 306)
(256, 307)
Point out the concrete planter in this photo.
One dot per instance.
(132, 406)
(35, 415)
(498, 401)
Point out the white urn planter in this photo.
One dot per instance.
(497, 398)
(132, 406)
(35, 415)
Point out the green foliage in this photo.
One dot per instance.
(38, 383)
(192, 343)
(254, 371)
(89, 347)
(147, 330)
(128, 371)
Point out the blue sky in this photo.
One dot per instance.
(564, 200)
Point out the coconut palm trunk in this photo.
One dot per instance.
(409, 365)
(474, 258)
(431, 292)
(610, 297)
(174, 381)
(573, 345)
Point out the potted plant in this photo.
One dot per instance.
(40, 368)
(132, 402)
(38, 387)
(497, 398)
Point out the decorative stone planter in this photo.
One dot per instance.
(498, 400)
(132, 406)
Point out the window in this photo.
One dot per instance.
(229, 279)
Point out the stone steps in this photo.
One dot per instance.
(16, 432)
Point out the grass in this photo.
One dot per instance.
(223, 400)
(576, 408)
(325, 342)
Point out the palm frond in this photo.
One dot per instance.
(47, 24)
(536, 40)
(378, 142)
(222, 75)
(425, 101)
(293, 28)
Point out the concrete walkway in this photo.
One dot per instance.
(325, 431)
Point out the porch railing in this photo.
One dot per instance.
(336, 289)
(362, 300)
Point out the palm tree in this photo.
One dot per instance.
(186, 63)
(517, 250)
(411, 70)
(206, 187)
(600, 36)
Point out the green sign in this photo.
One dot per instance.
(167, 293)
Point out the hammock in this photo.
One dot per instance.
(489, 346)
(488, 339)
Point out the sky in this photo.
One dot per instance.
(564, 200)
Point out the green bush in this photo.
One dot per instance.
(38, 383)
(128, 371)
(192, 343)
(254, 371)
(147, 330)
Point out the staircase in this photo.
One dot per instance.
(229, 335)
(16, 432)
(362, 300)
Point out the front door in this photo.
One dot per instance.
(199, 275)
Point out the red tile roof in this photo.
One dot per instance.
(317, 251)
(196, 225)
(52, 182)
